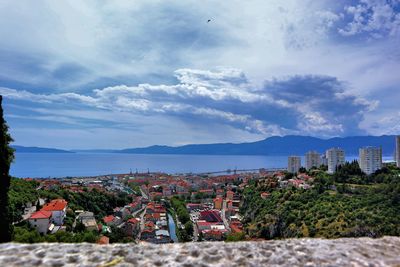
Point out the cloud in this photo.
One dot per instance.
(310, 104)
(377, 18)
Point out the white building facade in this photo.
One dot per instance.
(41, 221)
(370, 159)
(335, 158)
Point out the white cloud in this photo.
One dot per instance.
(315, 104)
(375, 17)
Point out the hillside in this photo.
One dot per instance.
(276, 146)
(24, 149)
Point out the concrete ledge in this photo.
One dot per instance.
(292, 252)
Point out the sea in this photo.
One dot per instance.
(59, 165)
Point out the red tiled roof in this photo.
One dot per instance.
(41, 214)
(103, 240)
(55, 205)
(109, 218)
(133, 221)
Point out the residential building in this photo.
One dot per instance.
(88, 220)
(58, 208)
(132, 227)
(230, 194)
(335, 157)
(324, 160)
(218, 203)
(370, 159)
(313, 159)
(398, 151)
(41, 221)
(294, 164)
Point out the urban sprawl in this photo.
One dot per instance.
(167, 208)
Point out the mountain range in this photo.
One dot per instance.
(25, 149)
(272, 146)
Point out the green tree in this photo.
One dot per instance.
(6, 157)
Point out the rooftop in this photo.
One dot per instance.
(55, 205)
(41, 214)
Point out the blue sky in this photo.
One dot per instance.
(118, 74)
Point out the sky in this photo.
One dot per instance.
(119, 74)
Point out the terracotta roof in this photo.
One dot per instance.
(133, 220)
(41, 214)
(55, 205)
(109, 218)
(103, 240)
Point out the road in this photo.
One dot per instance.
(226, 223)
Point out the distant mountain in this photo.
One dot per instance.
(272, 146)
(275, 146)
(95, 150)
(24, 149)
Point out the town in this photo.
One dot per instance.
(163, 208)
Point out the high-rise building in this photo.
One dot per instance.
(313, 159)
(398, 151)
(294, 164)
(324, 160)
(335, 157)
(370, 159)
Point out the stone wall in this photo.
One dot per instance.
(292, 252)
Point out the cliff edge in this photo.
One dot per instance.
(292, 252)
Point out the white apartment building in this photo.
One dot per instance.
(370, 159)
(41, 221)
(294, 164)
(397, 153)
(335, 158)
(313, 159)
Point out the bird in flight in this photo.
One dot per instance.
(208, 20)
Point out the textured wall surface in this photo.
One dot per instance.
(293, 252)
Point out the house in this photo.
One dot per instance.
(230, 195)
(132, 227)
(203, 225)
(88, 220)
(264, 195)
(214, 235)
(211, 216)
(194, 206)
(147, 234)
(41, 221)
(236, 227)
(103, 240)
(112, 220)
(229, 204)
(218, 203)
(58, 209)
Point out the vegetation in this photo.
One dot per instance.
(182, 213)
(235, 237)
(21, 193)
(25, 234)
(346, 204)
(100, 203)
(6, 157)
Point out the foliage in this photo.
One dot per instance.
(350, 172)
(179, 207)
(98, 202)
(330, 209)
(25, 234)
(21, 192)
(6, 157)
(118, 235)
(235, 237)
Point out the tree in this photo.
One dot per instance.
(6, 157)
